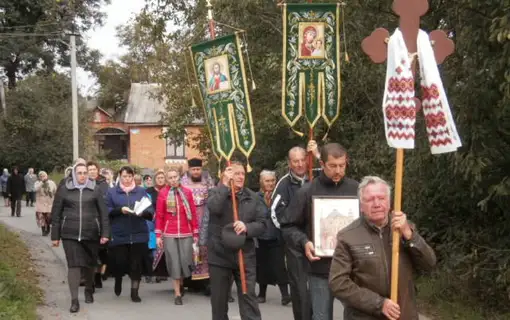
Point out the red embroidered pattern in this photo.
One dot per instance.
(399, 109)
(435, 118)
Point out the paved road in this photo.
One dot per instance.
(157, 298)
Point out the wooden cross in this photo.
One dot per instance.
(375, 46)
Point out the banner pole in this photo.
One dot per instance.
(242, 270)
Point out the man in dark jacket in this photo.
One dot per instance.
(15, 190)
(361, 266)
(93, 170)
(223, 257)
(297, 264)
(296, 223)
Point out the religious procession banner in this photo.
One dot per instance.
(311, 63)
(219, 69)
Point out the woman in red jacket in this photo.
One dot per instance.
(176, 229)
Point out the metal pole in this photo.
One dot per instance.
(2, 96)
(74, 97)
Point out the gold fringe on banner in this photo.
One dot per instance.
(343, 4)
(193, 104)
(248, 166)
(321, 93)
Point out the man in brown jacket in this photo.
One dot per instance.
(361, 265)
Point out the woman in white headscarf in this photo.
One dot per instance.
(45, 190)
(3, 186)
(80, 220)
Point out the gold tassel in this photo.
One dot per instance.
(326, 135)
(248, 166)
(343, 4)
(253, 86)
(301, 134)
(193, 104)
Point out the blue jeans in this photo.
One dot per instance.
(321, 297)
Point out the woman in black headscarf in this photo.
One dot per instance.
(80, 220)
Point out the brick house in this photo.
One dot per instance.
(134, 135)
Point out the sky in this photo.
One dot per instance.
(103, 38)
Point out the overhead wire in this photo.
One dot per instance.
(40, 24)
(27, 34)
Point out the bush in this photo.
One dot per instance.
(19, 291)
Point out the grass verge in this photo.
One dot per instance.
(440, 304)
(19, 291)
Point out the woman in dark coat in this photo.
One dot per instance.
(15, 190)
(130, 235)
(80, 219)
(270, 255)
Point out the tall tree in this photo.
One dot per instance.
(37, 129)
(459, 200)
(145, 53)
(32, 34)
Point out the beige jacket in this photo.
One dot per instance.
(44, 195)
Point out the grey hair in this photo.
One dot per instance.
(42, 172)
(296, 149)
(368, 180)
(267, 173)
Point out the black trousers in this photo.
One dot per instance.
(15, 207)
(298, 278)
(220, 279)
(30, 198)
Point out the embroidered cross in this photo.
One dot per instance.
(410, 12)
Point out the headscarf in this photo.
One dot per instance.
(5, 176)
(75, 179)
(46, 188)
(68, 171)
(171, 201)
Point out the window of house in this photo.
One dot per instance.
(175, 148)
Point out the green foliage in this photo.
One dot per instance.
(19, 291)
(37, 129)
(32, 34)
(139, 64)
(116, 165)
(458, 200)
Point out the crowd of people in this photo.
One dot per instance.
(188, 233)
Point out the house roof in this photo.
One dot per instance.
(104, 111)
(143, 106)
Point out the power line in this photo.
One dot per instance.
(27, 34)
(41, 24)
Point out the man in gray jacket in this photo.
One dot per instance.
(30, 180)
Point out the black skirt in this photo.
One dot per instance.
(128, 259)
(81, 253)
(271, 268)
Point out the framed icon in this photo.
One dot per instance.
(330, 215)
(311, 40)
(217, 74)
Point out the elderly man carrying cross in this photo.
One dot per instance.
(360, 269)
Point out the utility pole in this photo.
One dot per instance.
(74, 98)
(2, 96)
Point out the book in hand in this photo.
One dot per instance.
(141, 206)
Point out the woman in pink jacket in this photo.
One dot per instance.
(176, 229)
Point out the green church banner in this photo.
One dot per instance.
(311, 63)
(220, 73)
